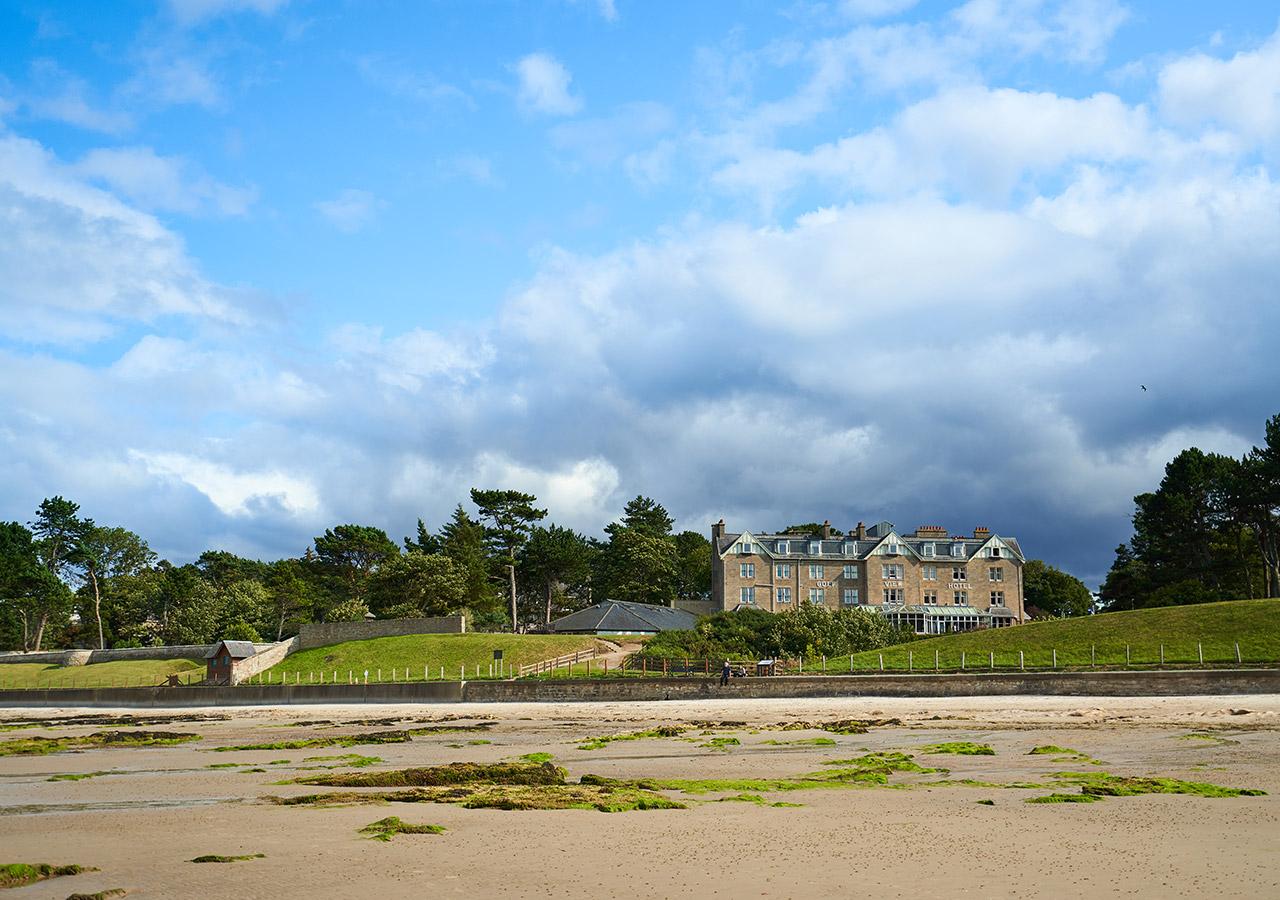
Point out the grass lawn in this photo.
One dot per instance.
(106, 674)
(411, 653)
(1216, 627)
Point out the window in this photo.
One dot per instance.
(850, 572)
(747, 548)
(817, 595)
(782, 546)
(815, 547)
(847, 548)
(893, 596)
(891, 570)
(783, 570)
(957, 549)
(931, 598)
(927, 549)
(815, 571)
(891, 549)
(748, 596)
(995, 573)
(993, 552)
(747, 570)
(930, 573)
(962, 598)
(851, 596)
(997, 598)
(784, 595)
(959, 573)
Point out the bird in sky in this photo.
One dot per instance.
(1143, 386)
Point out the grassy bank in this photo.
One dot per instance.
(1186, 632)
(125, 673)
(412, 653)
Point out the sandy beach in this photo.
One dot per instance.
(920, 835)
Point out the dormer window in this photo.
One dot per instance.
(815, 547)
(891, 549)
(746, 547)
(782, 546)
(847, 549)
(957, 549)
(927, 550)
(993, 552)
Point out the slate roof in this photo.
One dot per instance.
(848, 547)
(237, 649)
(623, 615)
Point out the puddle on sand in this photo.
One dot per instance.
(35, 809)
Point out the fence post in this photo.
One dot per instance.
(644, 666)
(881, 655)
(962, 660)
(935, 661)
(801, 663)
(379, 674)
(1162, 654)
(442, 673)
(850, 662)
(1238, 659)
(1126, 655)
(1200, 652)
(1055, 657)
(1021, 661)
(462, 672)
(911, 661)
(993, 660)
(1093, 654)
(664, 665)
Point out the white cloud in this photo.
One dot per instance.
(166, 183)
(874, 9)
(603, 141)
(351, 210)
(410, 359)
(1242, 93)
(190, 12)
(57, 94)
(234, 493)
(544, 86)
(78, 262)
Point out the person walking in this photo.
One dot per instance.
(724, 674)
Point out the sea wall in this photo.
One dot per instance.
(1075, 684)
(322, 634)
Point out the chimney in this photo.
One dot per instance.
(862, 532)
(981, 533)
(717, 531)
(826, 529)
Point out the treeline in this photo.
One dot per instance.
(808, 630)
(67, 581)
(1210, 531)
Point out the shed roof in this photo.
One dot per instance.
(624, 615)
(235, 649)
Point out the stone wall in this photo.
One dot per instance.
(1167, 683)
(86, 657)
(323, 634)
(264, 659)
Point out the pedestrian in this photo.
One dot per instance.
(724, 673)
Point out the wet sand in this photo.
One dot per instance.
(139, 827)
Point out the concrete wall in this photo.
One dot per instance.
(1121, 684)
(324, 633)
(85, 657)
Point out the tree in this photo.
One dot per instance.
(641, 567)
(462, 539)
(426, 542)
(102, 554)
(417, 584)
(190, 607)
(289, 593)
(645, 515)
(510, 516)
(27, 588)
(56, 530)
(693, 566)
(352, 552)
(1053, 591)
(555, 558)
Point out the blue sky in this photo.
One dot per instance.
(268, 265)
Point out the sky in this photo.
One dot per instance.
(267, 266)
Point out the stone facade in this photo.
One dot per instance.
(931, 580)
